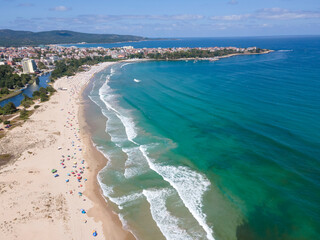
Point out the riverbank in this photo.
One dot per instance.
(37, 204)
(10, 95)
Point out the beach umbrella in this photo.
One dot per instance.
(83, 211)
(67, 180)
(53, 170)
(94, 233)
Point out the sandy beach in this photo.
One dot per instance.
(49, 189)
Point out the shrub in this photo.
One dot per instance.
(36, 94)
(27, 101)
(44, 97)
(9, 108)
(36, 106)
(24, 114)
(50, 89)
(42, 90)
(6, 122)
(4, 91)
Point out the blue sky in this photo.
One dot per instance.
(165, 18)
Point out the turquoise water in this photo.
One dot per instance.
(214, 150)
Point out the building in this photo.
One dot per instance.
(29, 66)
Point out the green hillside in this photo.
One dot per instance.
(10, 38)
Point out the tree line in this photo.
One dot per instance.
(11, 80)
(43, 94)
(68, 67)
(191, 53)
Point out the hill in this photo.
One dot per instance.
(11, 38)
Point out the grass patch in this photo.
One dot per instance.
(25, 114)
(5, 158)
(10, 95)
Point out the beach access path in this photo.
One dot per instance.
(67, 204)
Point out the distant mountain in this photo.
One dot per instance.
(11, 38)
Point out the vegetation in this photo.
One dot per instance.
(4, 91)
(42, 66)
(24, 114)
(193, 53)
(50, 89)
(5, 158)
(7, 109)
(10, 80)
(10, 38)
(27, 101)
(43, 93)
(71, 66)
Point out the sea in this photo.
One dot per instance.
(219, 150)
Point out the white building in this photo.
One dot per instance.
(29, 66)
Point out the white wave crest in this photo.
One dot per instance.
(190, 187)
(136, 164)
(105, 93)
(168, 224)
(125, 65)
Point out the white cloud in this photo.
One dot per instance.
(284, 14)
(270, 13)
(25, 5)
(60, 9)
(233, 2)
(231, 17)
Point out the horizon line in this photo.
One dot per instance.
(237, 36)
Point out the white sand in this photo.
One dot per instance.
(34, 203)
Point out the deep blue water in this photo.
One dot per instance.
(43, 82)
(214, 150)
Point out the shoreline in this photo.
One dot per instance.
(27, 184)
(10, 95)
(217, 58)
(38, 205)
(100, 211)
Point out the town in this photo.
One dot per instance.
(36, 60)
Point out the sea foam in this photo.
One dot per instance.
(190, 186)
(109, 100)
(168, 224)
